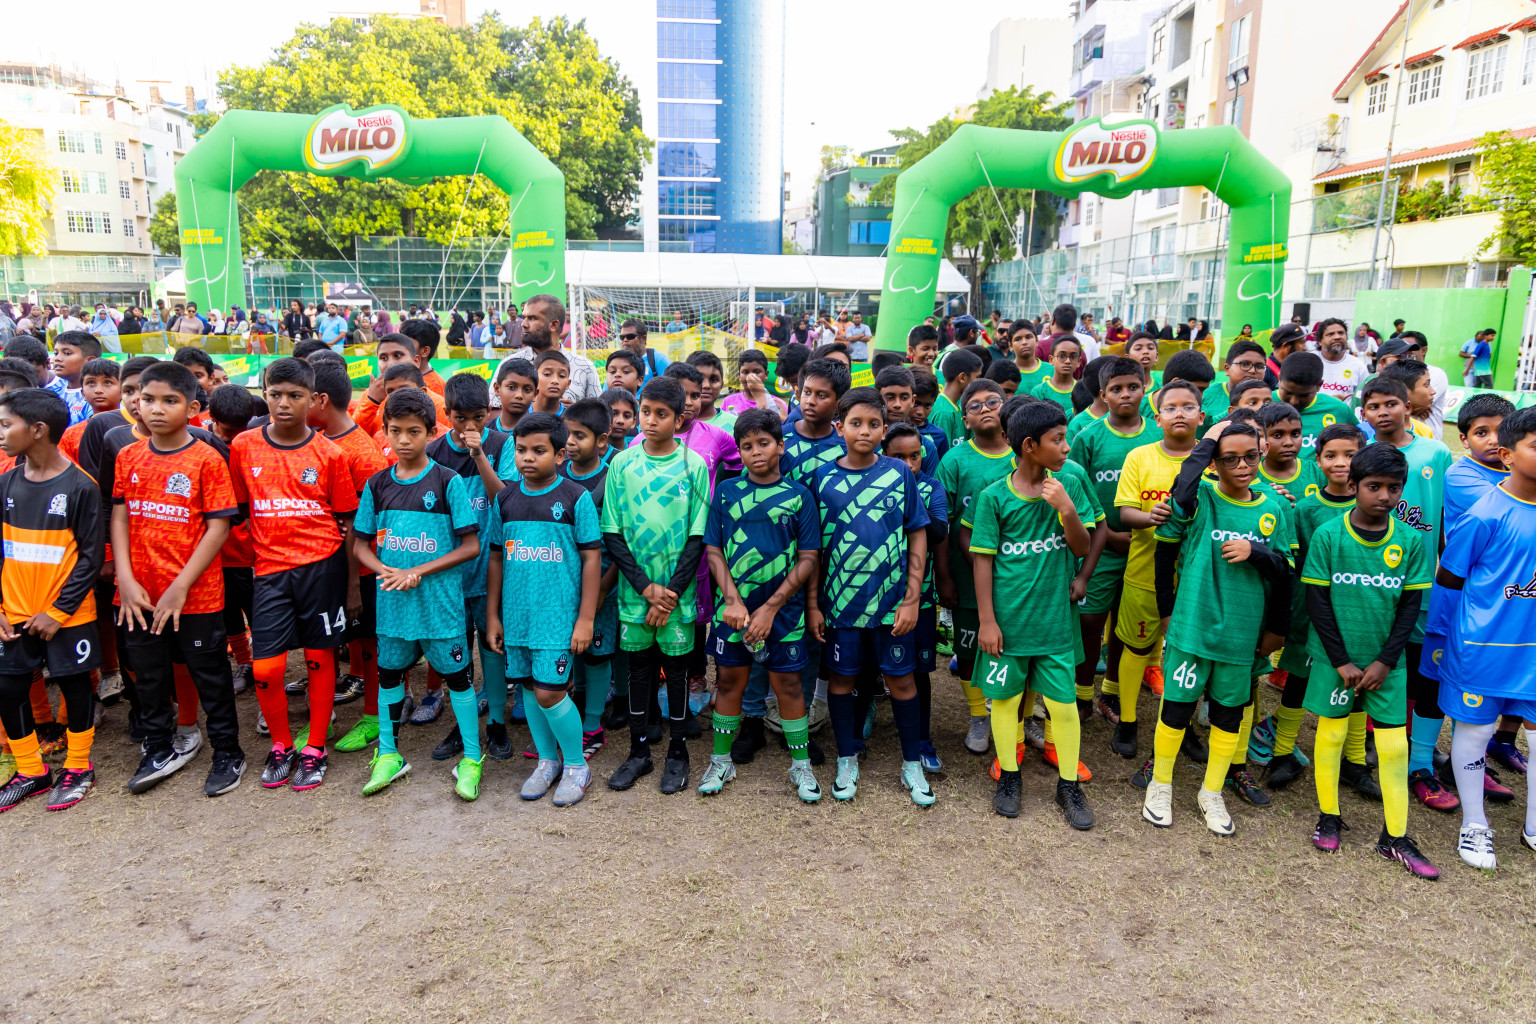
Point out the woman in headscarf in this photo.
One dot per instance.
(1204, 330)
(131, 323)
(382, 324)
(261, 331)
(802, 335)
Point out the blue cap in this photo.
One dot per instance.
(965, 322)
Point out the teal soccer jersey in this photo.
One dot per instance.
(448, 455)
(865, 516)
(540, 539)
(656, 504)
(761, 528)
(804, 456)
(1423, 503)
(413, 522)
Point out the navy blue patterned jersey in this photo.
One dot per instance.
(804, 456)
(760, 528)
(413, 522)
(539, 538)
(450, 456)
(937, 504)
(594, 483)
(865, 516)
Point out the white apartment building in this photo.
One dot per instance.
(1034, 49)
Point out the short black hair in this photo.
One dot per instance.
(924, 383)
(85, 341)
(792, 360)
(100, 367)
(1244, 386)
(288, 370)
(960, 362)
(683, 371)
(518, 367)
(883, 359)
(331, 380)
(975, 388)
(1111, 367)
(1340, 432)
(1304, 369)
(898, 430)
(1274, 413)
(174, 376)
(1176, 384)
(1002, 371)
(306, 347)
(395, 338)
(895, 377)
(1330, 322)
(831, 371)
(405, 371)
(860, 396)
(189, 357)
(230, 405)
(1064, 316)
(39, 405)
(614, 395)
(753, 355)
(542, 423)
(590, 413)
(410, 403)
(1243, 415)
(1013, 403)
(1032, 421)
(1191, 366)
(1065, 339)
(1022, 324)
(1383, 385)
(325, 355)
(1238, 428)
(669, 394)
(424, 333)
(551, 355)
(638, 325)
(136, 365)
(704, 357)
(824, 351)
(16, 374)
(1516, 426)
(624, 355)
(1405, 371)
(466, 392)
(758, 421)
(1477, 407)
(28, 348)
(1242, 347)
(920, 334)
(1379, 459)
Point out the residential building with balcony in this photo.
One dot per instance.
(847, 222)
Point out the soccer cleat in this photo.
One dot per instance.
(1282, 771)
(720, 771)
(772, 720)
(1430, 791)
(517, 713)
(20, 787)
(1157, 805)
(573, 786)
(996, 771)
(1142, 775)
(187, 741)
(749, 740)
(361, 736)
(311, 770)
(1215, 809)
(1009, 798)
(1153, 677)
(1073, 804)
(1123, 742)
(70, 788)
(531, 751)
(591, 743)
(7, 767)
(430, 707)
(544, 775)
(674, 771)
(262, 728)
(1475, 846)
(297, 687)
(154, 768)
(929, 757)
(1049, 754)
(50, 739)
(979, 735)
(497, 743)
(1261, 742)
(451, 746)
(1194, 747)
(1528, 839)
(279, 767)
(1277, 678)
(1407, 853)
(817, 715)
(225, 774)
(349, 688)
(1359, 778)
(1108, 706)
(917, 783)
(110, 689)
(466, 779)
(847, 782)
(1494, 789)
(804, 778)
(1508, 755)
(1239, 779)
(1034, 733)
(301, 738)
(244, 678)
(1329, 832)
(954, 664)
(628, 773)
(383, 770)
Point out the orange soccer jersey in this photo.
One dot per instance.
(370, 414)
(69, 444)
(169, 497)
(363, 455)
(295, 494)
(52, 535)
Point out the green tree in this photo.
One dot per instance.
(984, 227)
(164, 232)
(1507, 176)
(28, 183)
(549, 80)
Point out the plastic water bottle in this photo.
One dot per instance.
(759, 651)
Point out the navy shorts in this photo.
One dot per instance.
(927, 633)
(783, 655)
(853, 650)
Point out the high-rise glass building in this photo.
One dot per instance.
(720, 124)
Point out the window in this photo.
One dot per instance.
(1528, 60)
(1234, 112)
(127, 227)
(1344, 284)
(685, 40)
(1203, 62)
(1159, 44)
(869, 232)
(685, 198)
(73, 181)
(685, 159)
(1237, 51)
(101, 183)
(1088, 210)
(87, 222)
(699, 235)
(98, 143)
(1376, 98)
(71, 142)
(686, 81)
(1313, 289)
(685, 9)
(122, 150)
(1424, 84)
(1485, 71)
(1461, 175)
(686, 120)
(125, 189)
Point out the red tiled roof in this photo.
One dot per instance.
(1372, 74)
(1411, 157)
(1481, 37)
(1372, 48)
(1523, 26)
(1420, 58)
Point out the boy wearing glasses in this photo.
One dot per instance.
(1245, 361)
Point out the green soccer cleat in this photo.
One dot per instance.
(916, 782)
(846, 785)
(301, 738)
(466, 776)
(804, 777)
(361, 736)
(720, 771)
(387, 768)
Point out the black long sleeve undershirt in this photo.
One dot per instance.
(1326, 624)
(687, 563)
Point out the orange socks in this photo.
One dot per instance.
(28, 760)
(78, 759)
(322, 693)
(274, 702)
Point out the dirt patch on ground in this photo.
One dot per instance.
(280, 906)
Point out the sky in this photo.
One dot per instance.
(858, 55)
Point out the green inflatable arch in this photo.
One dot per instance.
(1111, 159)
(379, 142)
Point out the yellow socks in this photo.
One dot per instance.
(1068, 734)
(78, 756)
(975, 698)
(1354, 745)
(1240, 749)
(1392, 765)
(1223, 745)
(1085, 692)
(1110, 687)
(1132, 667)
(1326, 753)
(1005, 732)
(1287, 725)
(28, 761)
(1165, 751)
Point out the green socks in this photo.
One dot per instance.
(798, 737)
(599, 677)
(725, 732)
(565, 722)
(466, 708)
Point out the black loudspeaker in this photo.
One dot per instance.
(1303, 310)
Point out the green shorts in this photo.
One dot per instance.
(549, 669)
(445, 656)
(1186, 678)
(1103, 585)
(675, 638)
(1328, 697)
(1293, 658)
(1052, 676)
(967, 622)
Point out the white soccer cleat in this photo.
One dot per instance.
(1215, 809)
(1157, 806)
(1476, 847)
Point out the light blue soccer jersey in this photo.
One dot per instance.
(539, 540)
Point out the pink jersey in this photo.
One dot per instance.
(738, 403)
(710, 443)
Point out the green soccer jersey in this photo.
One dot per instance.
(1310, 514)
(1081, 422)
(1323, 413)
(1100, 451)
(1028, 381)
(1218, 612)
(1304, 478)
(1217, 400)
(964, 472)
(947, 417)
(1365, 579)
(656, 504)
(1032, 566)
(1048, 391)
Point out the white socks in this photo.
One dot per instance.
(1469, 758)
(1530, 787)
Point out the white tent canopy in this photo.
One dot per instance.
(603, 269)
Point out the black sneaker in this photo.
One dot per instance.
(1359, 778)
(616, 714)
(1070, 798)
(244, 678)
(1194, 747)
(348, 689)
(749, 740)
(310, 773)
(155, 767)
(1123, 742)
(1239, 779)
(674, 772)
(71, 788)
(1143, 776)
(1283, 771)
(225, 774)
(1407, 853)
(23, 786)
(1329, 832)
(628, 773)
(692, 730)
(135, 728)
(298, 687)
(452, 745)
(279, 767)
(497, 743)
(815, 753)
(1009, 798)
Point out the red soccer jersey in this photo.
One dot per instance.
(363, 455)
(239, 552)
(170, 496)
(69, 444)
(295, 495)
